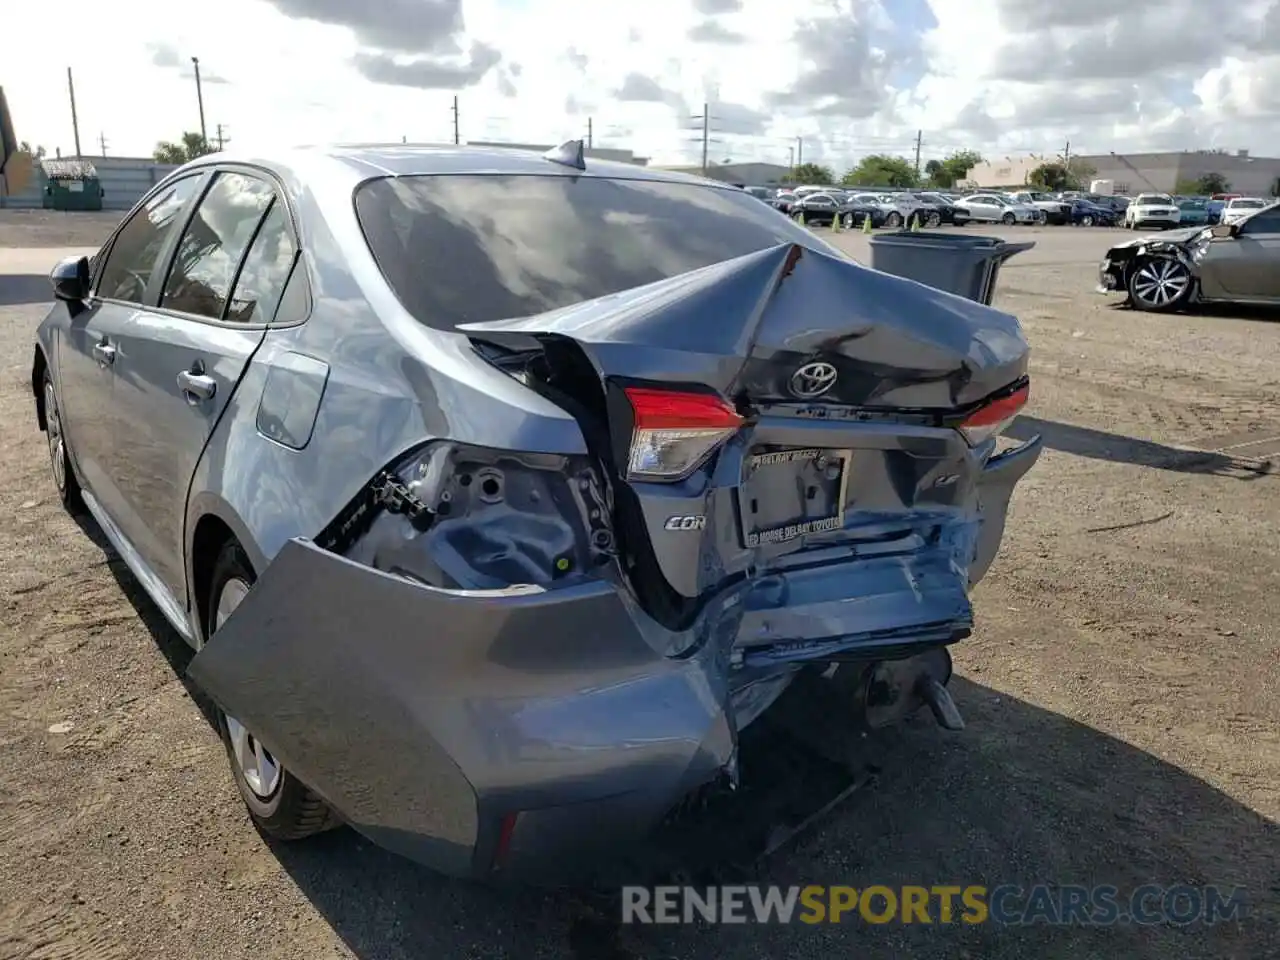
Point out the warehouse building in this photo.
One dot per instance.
(1134, 173)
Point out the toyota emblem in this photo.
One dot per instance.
(813, 380)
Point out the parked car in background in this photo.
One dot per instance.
(782, 200)
(1240, 207)
(1193, 212)
(898, 207)
(760, 193)
(490, 546)
(1235, 262)
(1055, 210)
(995, 208)
(1151, 210)
(1087, 214)
(854, 214)
(818, 209)
(943, 204)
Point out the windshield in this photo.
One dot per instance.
(1039, 196)
(1154, 200)
(466, 249)
(1246, 204)
(1192, 205)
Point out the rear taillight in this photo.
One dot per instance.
(990, 419)
(675, 432)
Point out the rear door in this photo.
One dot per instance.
(180, 360)
(123, 272)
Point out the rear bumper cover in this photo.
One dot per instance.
(525, 732)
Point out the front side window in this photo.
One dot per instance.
(218, 235)
(472, 248)
(136, 248)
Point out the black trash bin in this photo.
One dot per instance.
(963, 264)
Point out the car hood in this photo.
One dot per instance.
(1168, 236)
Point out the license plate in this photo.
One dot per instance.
(788, 494)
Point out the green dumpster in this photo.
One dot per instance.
(71, 185)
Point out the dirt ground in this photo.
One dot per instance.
(1120, 691)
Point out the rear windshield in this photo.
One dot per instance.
(1154, 200)
(1248, 204)
(470, 249)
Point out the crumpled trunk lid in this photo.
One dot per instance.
(849, 383)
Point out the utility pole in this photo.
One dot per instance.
(102, 142)
(799, 152)
(792, 161)
(1066, 156)
(75, 121)
(195, 63)
(456, 137)
(706, 138)
(589, 134)
(221, 137)
(919, 143)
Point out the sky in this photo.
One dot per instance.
(835, 79)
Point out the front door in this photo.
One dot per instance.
(1246, 266)
(86, 362)
(179, 362)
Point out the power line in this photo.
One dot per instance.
(706, 119)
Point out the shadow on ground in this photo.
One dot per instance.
(23, 288)
(1100, 445)
(1023, 796)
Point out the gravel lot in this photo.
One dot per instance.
(1121, 693)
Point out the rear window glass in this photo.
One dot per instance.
(1248, 204)
(1154, 200)
(468, 249)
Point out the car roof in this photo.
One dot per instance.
(363, 161)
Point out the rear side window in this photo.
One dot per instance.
(137, 246)
(219, 233)
(467, 249)
(266, 270)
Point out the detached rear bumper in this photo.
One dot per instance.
(475, 732)
(524, 733)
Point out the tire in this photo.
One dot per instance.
(283, 808)
(894, 220)
(1008, 219)
(848, 222)
(64, 475)
(934, 220)
(1160, 284)
(1086, 220)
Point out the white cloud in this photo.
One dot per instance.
(849, 76)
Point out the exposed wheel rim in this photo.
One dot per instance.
(1009, 218)
(934, 220)
(1087, 221)
(1161, 282)
(53, 431)
(895, 220)
(255, 764)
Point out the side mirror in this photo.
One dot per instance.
(1223, 231)
(70, 279)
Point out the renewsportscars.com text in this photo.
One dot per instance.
(1053, 904)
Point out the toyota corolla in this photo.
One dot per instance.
(498, 492)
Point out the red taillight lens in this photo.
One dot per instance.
(989, 420)
(675, 431)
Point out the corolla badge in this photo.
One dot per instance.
(812, 380)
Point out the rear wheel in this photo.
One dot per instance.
(934, 220)
(1008, 219)
(1160, 284)
(1086, 220)
(64, 477)
(281, 805)
(894, 220)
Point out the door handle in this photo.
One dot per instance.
(104, 352)
(196, 386)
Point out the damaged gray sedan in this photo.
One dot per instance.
(498, 492)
